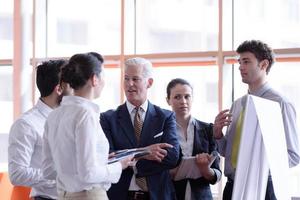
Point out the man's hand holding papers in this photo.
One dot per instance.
(122, 154)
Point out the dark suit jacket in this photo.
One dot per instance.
(119, 131)
(203, 143)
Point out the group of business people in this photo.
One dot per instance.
(60, 149)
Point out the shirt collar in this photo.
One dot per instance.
(69, 100)
(43, 108)
(131, 107)
(192, 122)
(260, 91)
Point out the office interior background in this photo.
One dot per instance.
(191, 39)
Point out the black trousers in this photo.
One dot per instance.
(270, 195)
(138, 195)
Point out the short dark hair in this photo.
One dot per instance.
(80, 68)
(174, 82)
(48, 76)
(260, 50)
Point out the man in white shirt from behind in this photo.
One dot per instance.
(26, 134)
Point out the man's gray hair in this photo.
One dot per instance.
(141, 62)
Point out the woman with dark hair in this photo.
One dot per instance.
(195, 139)
(76, 149)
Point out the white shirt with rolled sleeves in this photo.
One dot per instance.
(25, 152)
(76, 149)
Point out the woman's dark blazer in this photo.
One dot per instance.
(203, 143)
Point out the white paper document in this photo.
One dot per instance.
(121, 154)
(189, 169)
(262, 148)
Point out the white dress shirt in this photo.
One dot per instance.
(131, 109)
(25, 152)
(76, 149)
(187, 145)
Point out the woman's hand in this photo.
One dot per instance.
(203, 161)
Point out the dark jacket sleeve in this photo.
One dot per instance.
(147, 167)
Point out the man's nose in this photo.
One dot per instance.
(130, 82)
(240, 67)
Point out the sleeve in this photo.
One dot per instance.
(91, 154)
(213, 150)
(291, 133)
(48, 166)
(22, 141)
(147, 167)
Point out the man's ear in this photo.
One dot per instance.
(95, 80)
(58, 89)
(264, 64)
(150, 82)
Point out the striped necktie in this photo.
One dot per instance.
(138, 125)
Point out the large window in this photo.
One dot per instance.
(180, 25)
(111, 94)
(6, 82)
(167, 32)
(6, 93)
(6, 29)
(275, 22)
(6, 107)
(82, 26)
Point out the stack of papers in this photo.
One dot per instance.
(121, 154)
(188, 168)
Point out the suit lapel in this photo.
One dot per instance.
(150, 118)
(126, 124)
(198, 137)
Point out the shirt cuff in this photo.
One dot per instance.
(135, 171)
(115, 171)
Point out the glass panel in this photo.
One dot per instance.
(6, 116)
(227, 24)
(175, 26)
(289, 86)
(110, 96)
(40, 29)
(6, 98)
(72, 29)
(6, 29)
(274, 22)
(204, 81)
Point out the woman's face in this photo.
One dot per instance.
(100, 84)
(181, 97)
